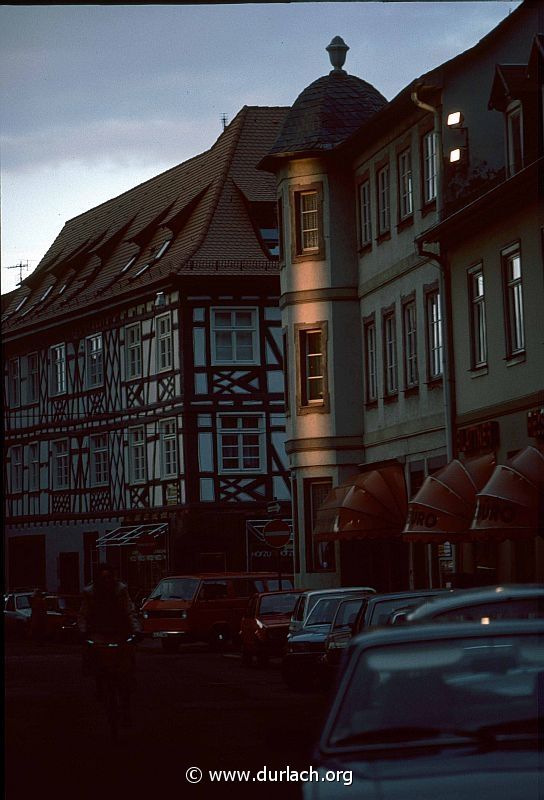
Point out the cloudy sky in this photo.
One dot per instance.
(96, 99)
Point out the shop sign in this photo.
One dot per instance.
(535, 423)
(478, 438)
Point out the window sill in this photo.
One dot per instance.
(407, 222)
(477, 372)
(434, 383)
(365, 248)
(391, 398)
(383, 237)
(317, 408)
(411, 391)
(428, 208)
(371, 404)
(515, 358)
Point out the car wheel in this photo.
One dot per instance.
(170, 645)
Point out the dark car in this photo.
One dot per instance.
(301, 665)
(375, 610)
(265, 624)
(442, 712)
(62, 614)
(522, 601)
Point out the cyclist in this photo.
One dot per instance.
(107, 614)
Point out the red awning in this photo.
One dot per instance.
(511, 504)
(443, 509)
(372, 504)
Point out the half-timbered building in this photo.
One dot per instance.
(144, 397)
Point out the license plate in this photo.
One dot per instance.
(160, 635)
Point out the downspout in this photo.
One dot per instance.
(441, 263)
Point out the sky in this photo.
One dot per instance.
(96, 99)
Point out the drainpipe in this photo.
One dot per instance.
(440, 262)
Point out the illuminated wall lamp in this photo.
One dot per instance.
(455, 119)
(457, 155)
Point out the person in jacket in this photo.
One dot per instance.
(38, 616)
(107, 614)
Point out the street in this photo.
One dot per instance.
(193, 709)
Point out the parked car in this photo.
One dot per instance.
(17, 614)
(206, 607)
(265, 624)
(62, 614)
(301, 664)
(308, 599)
(436, 711)
(375, 610)
(514, 601)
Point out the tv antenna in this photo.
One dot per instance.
(20, 266)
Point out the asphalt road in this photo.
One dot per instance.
(191, 709)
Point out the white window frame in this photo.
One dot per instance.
(32, 378)
(61, 464)
(384, 200)
(390, 365)
(309, 221)
(57, 375)
(371, 362)
(434, 334)
(514, 112)
(14, 382)
(239, 443)
(94, 360)
(164, 353)
(478, 332)
(169, 448)
(430, 167)
(100, 459)
(406, 185)
(312, 366)
(365, 213)
(409, 323)
(133, 351)
(229, 352)
(513, 290)
(33, 467)
(16, 457)
(137, 448)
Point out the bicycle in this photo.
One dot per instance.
(112, 663)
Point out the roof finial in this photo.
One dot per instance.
(337, 53)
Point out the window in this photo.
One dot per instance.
(58, 369)
(133, 343)
(477, 317)
(45, 294)
(383, 200)
(514, 138)
(390, 353)
(515, 328)
(61, 476)
(312, 366)
(320, 555)
(279, 213)
(241, 443)
(100, 468)
(406, 196)
(137, 455)
(234, 336)
(129, 263)
(94, 361)
(21, 303)
(370, 363)
(164, 342)
(365, 211)
(307, 222)
(410, 344)
(430, 172)
(32, 378)
(162, 249)
(16, 468)
(34, 467)
(434, 334)
(169, 449)
(142, 270)
(14, 377)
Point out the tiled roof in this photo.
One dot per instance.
(205, 206)
(326, 113)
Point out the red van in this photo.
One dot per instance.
(203, 608)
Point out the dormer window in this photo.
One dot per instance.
(162, 249)
(128, 265)
(62, 288)
(46, 293)
(514, 138)
(21, 303)
(142, 270)
(270, 237)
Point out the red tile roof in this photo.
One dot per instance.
(204, 206)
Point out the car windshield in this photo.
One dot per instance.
(323, 611)
(469, 688)
(383, 609)
(175, 589)
(23, 601)
(277, 604)
(347, 612)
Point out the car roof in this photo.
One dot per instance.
(403, 634)
(406, 595)
(216, 575)
(484, 594)
(339, 590)
(273, 594)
